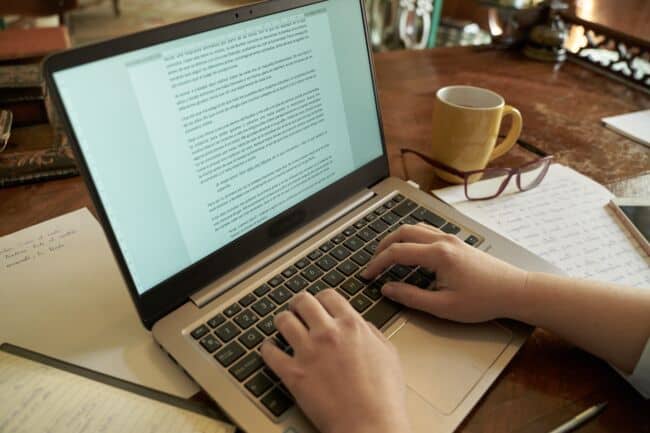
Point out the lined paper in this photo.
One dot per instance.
(566, 221)
(37, 398)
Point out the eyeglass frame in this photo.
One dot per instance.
(465, 175)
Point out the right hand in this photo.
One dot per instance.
(472, 286)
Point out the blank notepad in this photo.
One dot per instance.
(36, 398)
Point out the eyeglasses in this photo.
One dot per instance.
(496, 180)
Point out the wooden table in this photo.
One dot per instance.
(549, 380)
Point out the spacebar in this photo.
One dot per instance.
(382, 312)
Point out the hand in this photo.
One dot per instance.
(344, 374)
(472, 286)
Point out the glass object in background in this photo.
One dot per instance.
(6, 119)
(494, 180)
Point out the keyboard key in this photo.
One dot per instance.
(296, 283)
(246, 319)
(232, 310)
(216, 320)
(418, 280)
(326, 246)
(314, 255)
(267, 326)
(227, 332)
(427, 273)
(318, 286)
(389, 204)
(259, 384)
(287, 273)
(280, 295)
(367, 234)
(352, 286)
(409, 220)
(334, 278)
(338, 238)
(422, 214)
(372, 247)
(312, 273)
(382, 312)
(281, 342)
(326, 263)
(210, 343)
(361, 258)
(390, 218)
(471, 240)
(276, 281)
(361, 303)
(347, 268)
(302, 263)
(200, 332)
(380, 210)
(450, 228)
(271, 374)
(398, 198)
(340, 252)
(263, 307)
(280, 309)
(262, 290)
(349, 231)
(354, 243)
(359, 224)
(370, 217)
(405, 208)
(230, 354)
(251, 338)
(247, 366)
(373, 291)
(379, 226)
(400, 271)
(276, 402)
(247, 300)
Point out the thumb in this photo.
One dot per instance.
(433, 302)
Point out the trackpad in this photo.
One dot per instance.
(444, 360)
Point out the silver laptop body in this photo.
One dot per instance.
(237, 159)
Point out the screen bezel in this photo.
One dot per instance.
(168, 295)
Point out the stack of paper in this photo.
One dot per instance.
(566, 221)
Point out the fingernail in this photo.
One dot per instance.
(364, 273)
(388, 289)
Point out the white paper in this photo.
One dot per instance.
(566, 221)
(61, 294)
(38, 398)
(635, 126)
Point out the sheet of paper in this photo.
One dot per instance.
(62, 295)
(37, 398)
(566, 221)
(635, 126)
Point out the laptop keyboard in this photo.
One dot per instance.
(233, 336)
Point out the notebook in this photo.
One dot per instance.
(40, 394)
(566, 221)
(635, 126)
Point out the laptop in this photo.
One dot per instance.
(238, 159)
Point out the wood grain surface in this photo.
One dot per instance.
(549, 380)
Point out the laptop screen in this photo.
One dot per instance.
(194, 142)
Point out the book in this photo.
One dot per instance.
(35, 43)
(565, 220)
(22, 93)
(39, 394)
(36, 153)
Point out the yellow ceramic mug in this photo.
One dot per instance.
(466, 123)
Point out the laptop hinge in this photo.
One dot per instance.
(209, 293)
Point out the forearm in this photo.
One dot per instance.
(610, 321)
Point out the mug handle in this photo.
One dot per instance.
(513, 135)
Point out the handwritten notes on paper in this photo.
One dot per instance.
(38, 398)
(63, 295)
(30, 250)
(566, 221)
